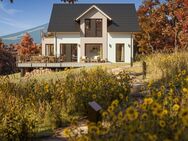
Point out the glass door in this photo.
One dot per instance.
(120, 53)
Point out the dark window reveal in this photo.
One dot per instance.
(93, 28)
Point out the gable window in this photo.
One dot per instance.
(93, 27)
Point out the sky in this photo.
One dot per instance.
(26, 14)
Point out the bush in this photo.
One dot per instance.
(29, 105)
(161, 116)
(7, 62)
(166, 66)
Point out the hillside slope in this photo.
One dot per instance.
(34, 32)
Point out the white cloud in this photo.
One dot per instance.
(14, 23)
(9, 11)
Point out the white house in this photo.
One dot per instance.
(88, 30)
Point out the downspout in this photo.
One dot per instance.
(131, 50)
(56, 46)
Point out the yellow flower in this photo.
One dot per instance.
(144, 116)
(159, 94)
(94, 130)
(155, 106)
(162, 123)
(176, 107)
(131, 113)
(148, 101)
(94, 96)
(184, 116)
(121, 96)
(66, 132)
(47, 87)
(120, 116)
(186, 79)
(115, 103)
(185, 90)
(164, 113)
(83, 138)
(162, 87)
(152, 137)
(111, 109)
(176, 100)
(183, 72)
(183, 113)
(104, 114)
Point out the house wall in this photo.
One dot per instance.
(62, 38)
(46, 41)
(119, 38)
(93, 14)
(68, 38)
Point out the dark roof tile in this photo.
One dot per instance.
(124, 18)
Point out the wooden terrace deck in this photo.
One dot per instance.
(58, 65)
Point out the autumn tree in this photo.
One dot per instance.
(27, 46)
(163, 25)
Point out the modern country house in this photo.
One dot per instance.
(91, 32)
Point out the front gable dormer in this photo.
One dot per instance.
(93, 22)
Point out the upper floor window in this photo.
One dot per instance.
(93, 27)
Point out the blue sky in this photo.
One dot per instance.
(26, 14)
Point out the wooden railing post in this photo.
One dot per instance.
(22, 72)
(144, 67)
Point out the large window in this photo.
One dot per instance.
(120, 53)
(92, 50)
(93, 27)
(69, 52)
(49, 51)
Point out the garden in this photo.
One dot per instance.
(32, 107)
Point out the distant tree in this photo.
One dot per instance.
(1, 43)
(7, 62)
(70, 1)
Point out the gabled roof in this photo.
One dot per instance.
(124, 17)
(93, 6)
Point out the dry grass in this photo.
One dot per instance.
(165, 66)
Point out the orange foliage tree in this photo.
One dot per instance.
(163, 25)
(27, 46)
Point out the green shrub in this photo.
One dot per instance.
(29, 105)
(161, 116)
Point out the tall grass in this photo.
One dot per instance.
(166, 66)
(31, 105)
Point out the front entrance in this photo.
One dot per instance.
(120, 53)
(69, 52)
(92, 50)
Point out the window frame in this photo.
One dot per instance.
(88, 32)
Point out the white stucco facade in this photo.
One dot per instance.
(120, 38)
(112, 40)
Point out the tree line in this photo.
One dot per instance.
(164, 25)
